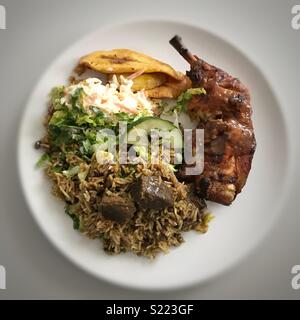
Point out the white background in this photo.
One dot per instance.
(37, 31)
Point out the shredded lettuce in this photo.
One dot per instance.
(77, 98)
(186, 96)
(56, 94)
(169, 107)
(71, 123)
(58, 118)
(63, 135)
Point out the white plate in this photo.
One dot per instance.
(234, 231)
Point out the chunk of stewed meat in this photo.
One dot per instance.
(150, 192)
(117, 208)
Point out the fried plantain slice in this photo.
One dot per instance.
(170, 89)
(126, 61)
(144, 81)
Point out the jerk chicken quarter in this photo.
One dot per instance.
(225, 115)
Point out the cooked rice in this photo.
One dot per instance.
(149, 231)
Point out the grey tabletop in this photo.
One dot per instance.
(36, 32)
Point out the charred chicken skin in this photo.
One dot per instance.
(225, 115)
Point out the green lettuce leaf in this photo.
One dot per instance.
(56, 94)
(185, 97)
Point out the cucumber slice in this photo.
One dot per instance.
(139, 131)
